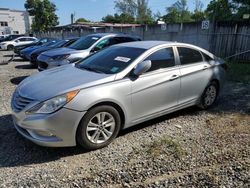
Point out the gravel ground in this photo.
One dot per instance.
(189, 148)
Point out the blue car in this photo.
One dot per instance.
(26, 53)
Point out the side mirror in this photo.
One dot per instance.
(17, 41)
(142, 67)
(95, 49)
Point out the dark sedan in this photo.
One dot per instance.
(59, 44)
(17, 49)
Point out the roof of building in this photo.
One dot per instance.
(95, 25)
(12, 10)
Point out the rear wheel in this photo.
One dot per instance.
(10, 47)
(98, 127)
(209, 95)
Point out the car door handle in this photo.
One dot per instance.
(205, 67)
(173, 77)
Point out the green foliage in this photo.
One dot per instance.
(81, 20)
(122, 18)
(198, 16)
(165, 146)
(178, 13)
(243, 7)
(138, 10)
(239, 72)
(126, 7)
(220, 10)
(144, 14)
(43, 12)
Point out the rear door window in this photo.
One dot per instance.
(189, 56)
(161, 59)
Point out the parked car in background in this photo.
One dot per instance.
(25, 53)
(2, 37)
(9, 45)
(91, 101)
(59, 44)
(10, 37)
(38, 42)
(81, 49)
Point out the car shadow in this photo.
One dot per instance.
(18, 60)
(9, 55)
(17, 80)
(187, 111)
(18, 151)
(27, 66)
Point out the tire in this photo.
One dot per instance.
(10, 47)
(209, 95)
(89, 128)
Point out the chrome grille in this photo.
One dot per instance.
(19, 102)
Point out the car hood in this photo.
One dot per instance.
(59, 51)
(42, 49)
(53, 82)
(30, 49)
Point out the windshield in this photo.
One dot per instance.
(59, 43)
(110, 60)
(50, 43)
(84, 43)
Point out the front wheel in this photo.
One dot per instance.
(209, 95)
(10, 47)
(98, 127)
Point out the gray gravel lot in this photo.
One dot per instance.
(183, 149)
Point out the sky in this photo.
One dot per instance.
(92, 10)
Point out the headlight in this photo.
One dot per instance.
(53, 104)
(60, 57)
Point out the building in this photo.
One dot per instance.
(14, 21)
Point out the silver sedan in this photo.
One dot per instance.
(88, 103)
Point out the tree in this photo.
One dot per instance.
(220, 10)
(198, 14)
(82, 20)
(122, 18)
(242, 7)
(138, 9)
(144, 14)
(172, 15)
(109, 19)
(126, 7)
(178, 12)
(43, 12)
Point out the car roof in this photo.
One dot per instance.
(150, 44)
(112, 34)
(145, 44)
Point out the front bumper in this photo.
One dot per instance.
(50, 130)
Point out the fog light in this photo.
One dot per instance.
(44, 133)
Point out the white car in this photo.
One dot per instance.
(9, 45)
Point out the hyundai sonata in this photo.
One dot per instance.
(88, 103)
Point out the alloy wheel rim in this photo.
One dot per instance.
(210, 95)
(100, 128)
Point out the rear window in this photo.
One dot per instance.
(84, 43)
